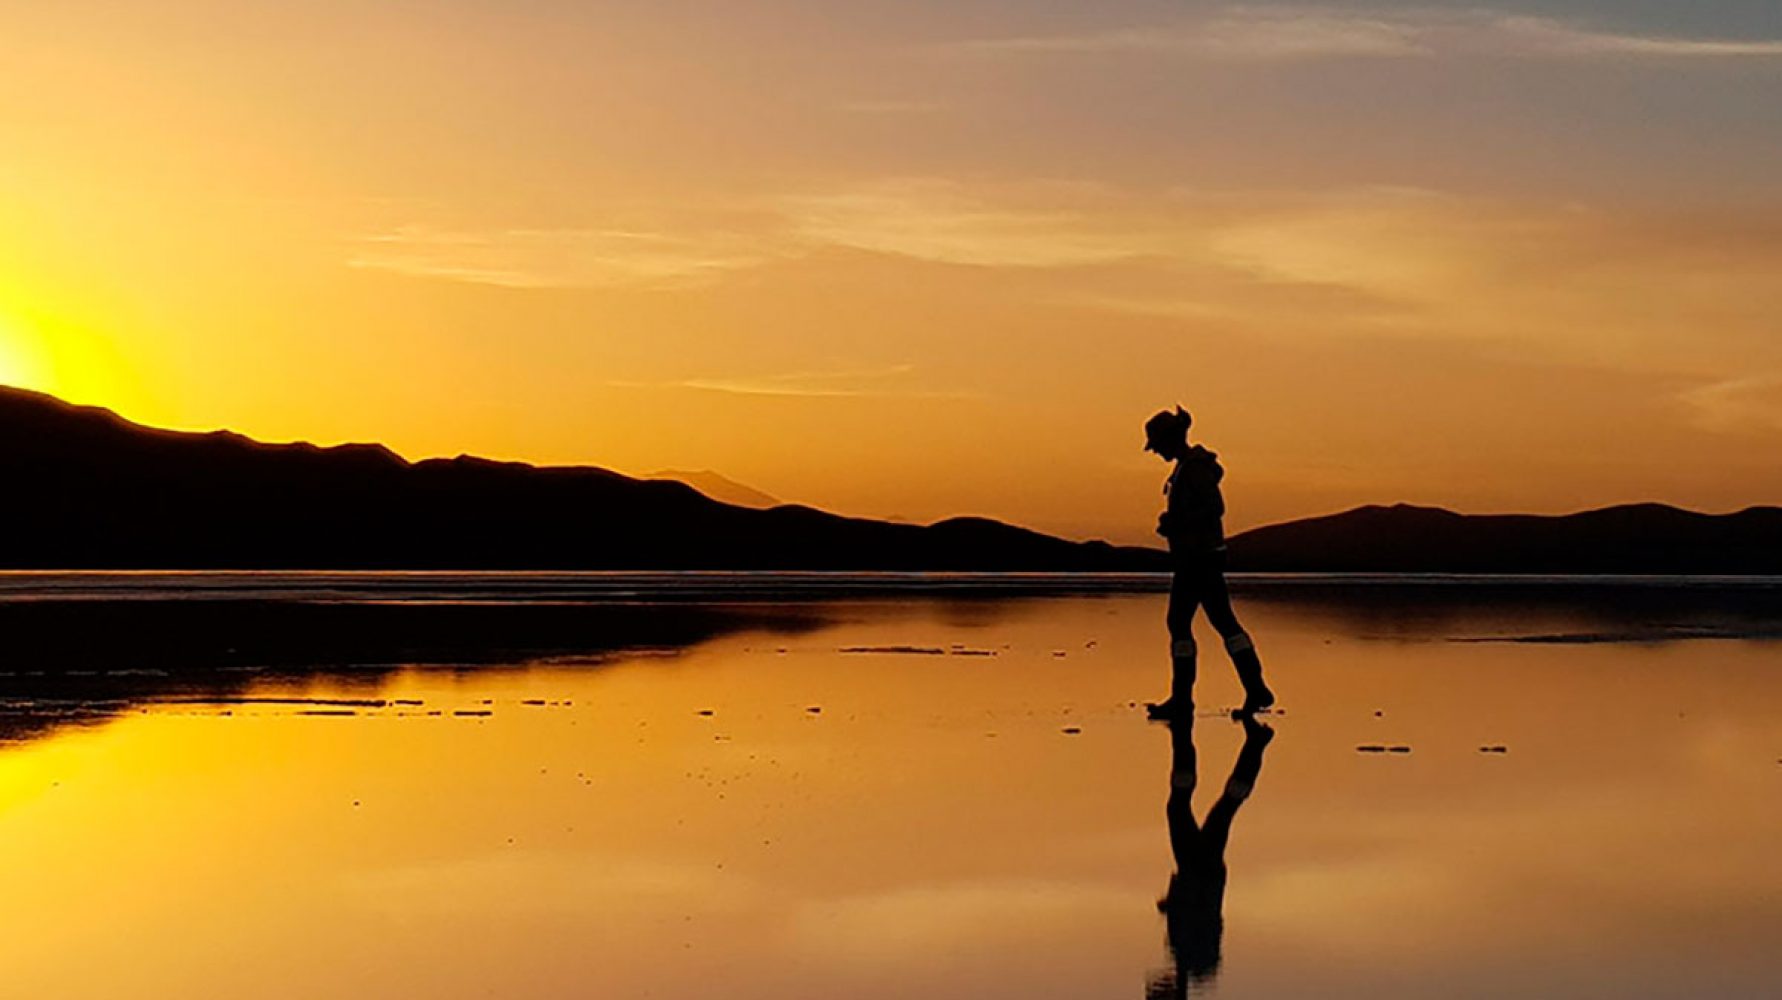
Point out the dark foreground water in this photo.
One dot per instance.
(237, 787)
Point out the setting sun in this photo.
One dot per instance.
(21, 364)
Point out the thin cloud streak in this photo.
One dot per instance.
(558, 258)
(1748, 403)
(944, 222)
(1264, 34)
(1542, 34)
(1240, 34)
(838, 384)
(891, 107)
(1561, 281)
(742, 387)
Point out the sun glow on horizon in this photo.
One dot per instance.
(22, 362)
(73, 363)
(849, 258)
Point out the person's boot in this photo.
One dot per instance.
(1257, 695)
(1180, 703)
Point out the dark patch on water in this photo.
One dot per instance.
(1664, 633)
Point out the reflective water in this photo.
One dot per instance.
(919, 797)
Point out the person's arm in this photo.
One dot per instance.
(1193, 499)
(1172, 501)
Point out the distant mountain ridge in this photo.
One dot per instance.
(719, 487)
(1627, 539)
(85, 488)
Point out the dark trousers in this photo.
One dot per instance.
(1199, 582)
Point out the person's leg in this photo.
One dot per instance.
(1184, 598)
(1244, 773)
(1238, 643)
(1192, 939)
(1184, 771)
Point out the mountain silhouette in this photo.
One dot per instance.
(1633, 538)
(88, 489)
(719, 487)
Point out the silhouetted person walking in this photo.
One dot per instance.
(1193, 906)
(1193, 522)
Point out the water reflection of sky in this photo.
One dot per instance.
(931, 829)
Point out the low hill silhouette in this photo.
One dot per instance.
(87, 489)
(720, 488)
(1633, 538)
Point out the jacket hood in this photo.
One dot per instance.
(1204, 461)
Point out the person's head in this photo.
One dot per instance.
(1166, 433)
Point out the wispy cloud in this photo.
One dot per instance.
(1554, 280)
(1393, 243)
(1536, 36)
(1034, 226)
(946, 222)
(1746, 403)
(558, 258)
(1239, 33)
(887, 381)
(1282, 33)
(1380, 241)
(1561, 281)
(891, 107)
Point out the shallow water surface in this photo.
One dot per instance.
(919, 796)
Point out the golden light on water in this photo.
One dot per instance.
(801, 820)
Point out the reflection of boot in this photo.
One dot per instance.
(1248, 766)
(1180, 703)
(1249, 761)
(1257, 696)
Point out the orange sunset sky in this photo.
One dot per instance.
(919, 258)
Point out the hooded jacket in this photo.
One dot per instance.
(1193, 519)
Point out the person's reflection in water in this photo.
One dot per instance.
(1193, 906)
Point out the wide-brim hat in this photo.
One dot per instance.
(1164, 425)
